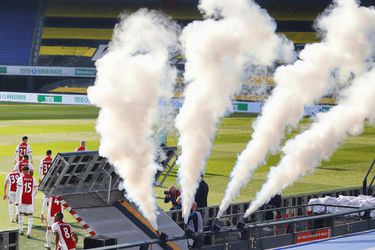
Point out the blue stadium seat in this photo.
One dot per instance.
(17, 25)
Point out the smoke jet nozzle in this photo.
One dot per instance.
(163, 237)
(241, 224)
(216, 226)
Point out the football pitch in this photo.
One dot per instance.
(60, 129)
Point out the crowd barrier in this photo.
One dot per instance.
(235, 211)
(9, 240)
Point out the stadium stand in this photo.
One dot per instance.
(17, 25)
(73, 31)
(72, 85)
(76, 33)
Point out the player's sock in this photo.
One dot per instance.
(17, 213)
(20, 222)
(44, 205)
(48, 237)
(11, 212)
(30, 225)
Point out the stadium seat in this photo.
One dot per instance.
(302, 37)
(17, 32)
(81, 10)
(63, 9)
(66, 51)
(72, 90)
(77, 33)
(74, 31)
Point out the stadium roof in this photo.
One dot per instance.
(171, 3)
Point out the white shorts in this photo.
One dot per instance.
(45, 200)
(26, 209)
(49, 220)
(12, 197)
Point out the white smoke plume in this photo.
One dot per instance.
(217, 51)
(338, 57)
(305, 152)
(131, 79)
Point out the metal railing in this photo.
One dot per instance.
(143, 243)
(265, 233)
(365, 188)
(9, 239)
(231, 217)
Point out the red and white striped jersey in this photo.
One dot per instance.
(54, 206)
(26, 189)
(45, 164)
(19, 165)
(22, 149)
(80, 149)
(65, 232)
(12, 179)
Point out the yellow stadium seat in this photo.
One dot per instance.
(327, 100)
(93, 10)
(66, 51)
(77, 33)
(302, 37)
(85, 10)
(305, 14)
(261, 80)
(75, 90)
(251, 98)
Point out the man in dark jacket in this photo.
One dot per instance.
(202, 193)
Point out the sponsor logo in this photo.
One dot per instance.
(325, 108)
(40, 71)
(50, 98)
(47, 71)
(81, 100)
(85, 72)
(238, 107)
(12, 97)
(312, 235)
(176, 103)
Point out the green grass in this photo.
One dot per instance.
(61, 127)
(49, 127)
(10, 111)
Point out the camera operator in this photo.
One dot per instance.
(172, 195)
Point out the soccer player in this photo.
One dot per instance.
(24, 163)
(26, 191)
(10, 185)
(23, 149)
(66, 238)
(82, 146)
(54, 207)
(44, 166)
